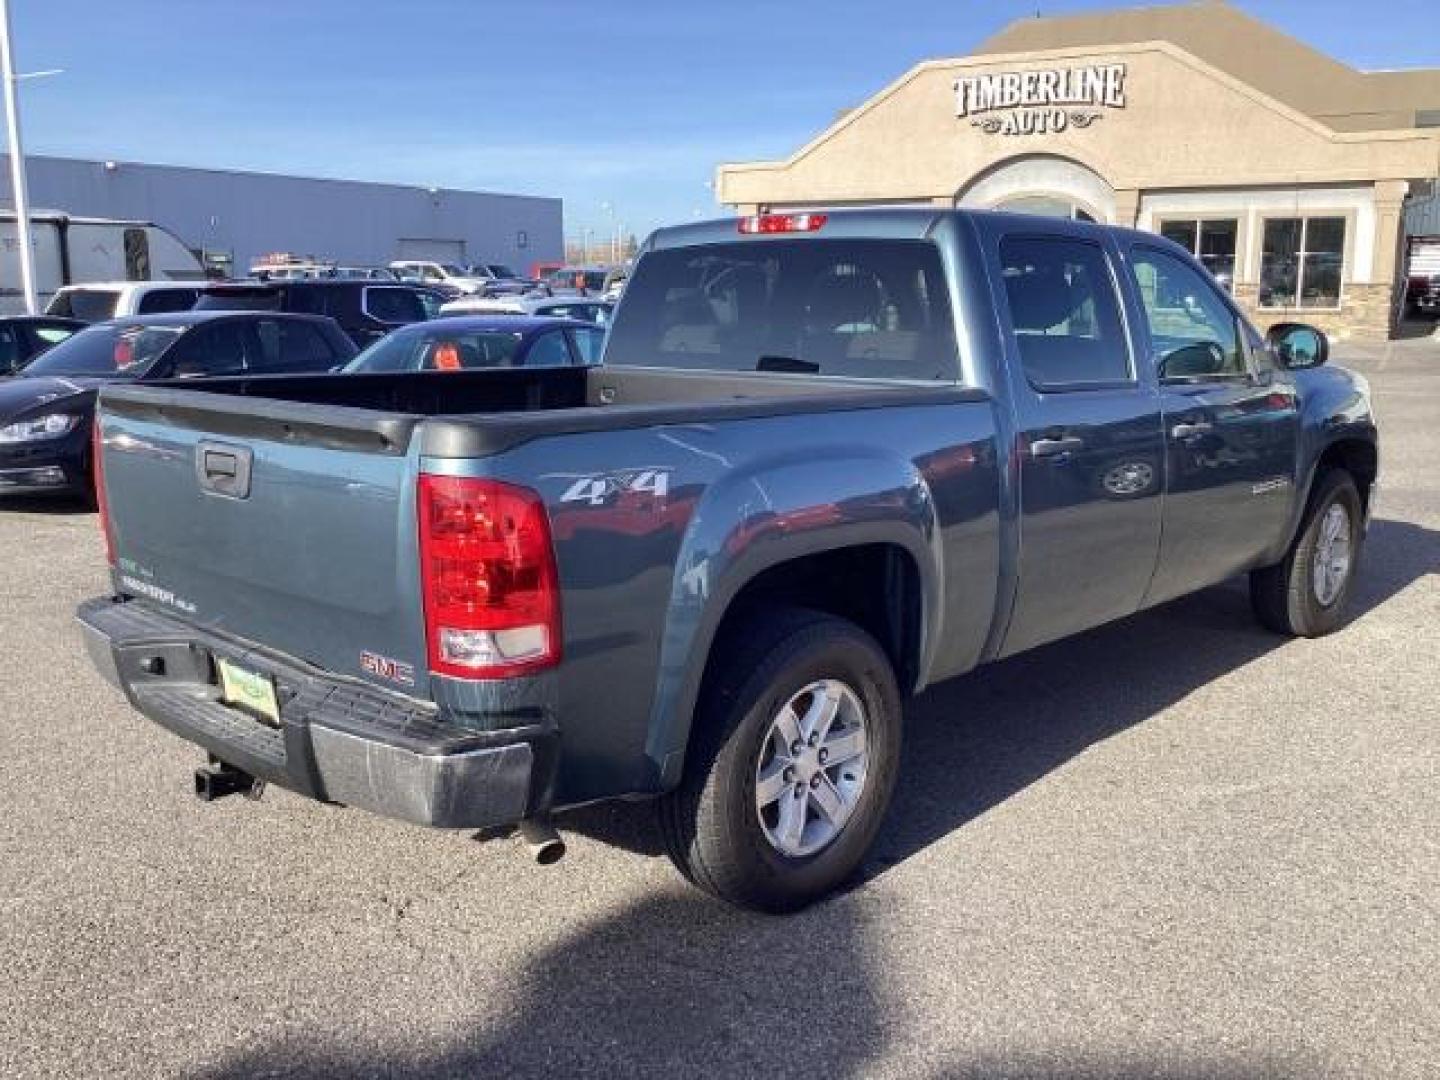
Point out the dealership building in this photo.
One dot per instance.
(1289, 174)
(232, 218)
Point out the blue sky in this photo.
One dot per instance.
(628, 103)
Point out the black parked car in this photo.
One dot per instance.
(46, 410)
(25, 337)
(366, 310)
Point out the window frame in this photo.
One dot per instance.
(171, 362)
(1305, 216)
(1198, 220)
(366, 290)
(1117, 292)
(1243, 340)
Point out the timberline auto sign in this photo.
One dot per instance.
(1040, 102)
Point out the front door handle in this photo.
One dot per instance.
(1056, 447)
(1190, 430)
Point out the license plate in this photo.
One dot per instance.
(249, 690)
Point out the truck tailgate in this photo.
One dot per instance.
(287, 524)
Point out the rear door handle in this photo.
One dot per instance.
(1056, 447)
(1189, 431)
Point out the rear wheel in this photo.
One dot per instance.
(1305, 594)
(794, 754)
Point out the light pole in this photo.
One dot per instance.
(17, 163)
(17, 158)
(609, 209)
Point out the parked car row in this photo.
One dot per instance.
(248, 329)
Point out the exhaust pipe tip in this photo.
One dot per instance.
(543, 842)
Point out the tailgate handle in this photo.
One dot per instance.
(223, 470)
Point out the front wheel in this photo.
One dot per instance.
(794, 753)
(1305, 594)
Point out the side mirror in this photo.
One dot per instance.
(1297, 345)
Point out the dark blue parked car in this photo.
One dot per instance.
(488, 341)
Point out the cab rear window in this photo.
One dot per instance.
(871, 309)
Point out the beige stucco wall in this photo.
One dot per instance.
(1185, 125)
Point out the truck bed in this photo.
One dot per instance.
(499, 407)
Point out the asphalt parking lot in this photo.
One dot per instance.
(1174, 847)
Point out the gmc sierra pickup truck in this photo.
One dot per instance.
(829, 459)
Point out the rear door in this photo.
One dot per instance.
(1090, 452)
(1231, 427)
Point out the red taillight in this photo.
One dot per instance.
(97, 477)
(487, 564)
(782, 223)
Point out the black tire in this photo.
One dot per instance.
(710, 825)
(1283, 595)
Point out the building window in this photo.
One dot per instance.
(1212, 241)
(1301, 261)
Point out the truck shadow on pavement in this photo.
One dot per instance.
(673, 984)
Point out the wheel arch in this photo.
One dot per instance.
(897, 603)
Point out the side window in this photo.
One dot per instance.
(588, 344)
(10, 351)
(1194, 332)
(1064, 312)
(45, 336)
(158, 301)
(549, 350)
(307, 301)
(300, 347)
(221, 349)
(393, 305)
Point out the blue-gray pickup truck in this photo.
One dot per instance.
(829, 459)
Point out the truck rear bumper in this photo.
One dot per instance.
(338, 740)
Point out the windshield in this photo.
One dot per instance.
(451, 270)
(438, 349)
(110, 350)
(500, 270)
(88, 305)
